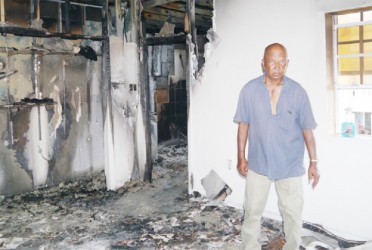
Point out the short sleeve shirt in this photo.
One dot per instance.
(275, 142)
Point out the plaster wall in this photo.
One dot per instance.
(77, 135)
(125, 154)
(45, 144)
(341, 201)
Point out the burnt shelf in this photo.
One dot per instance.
(41, 52)
(32, 32)
(24, 105)
(37, 51)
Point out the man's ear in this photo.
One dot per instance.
(286, 66)
(262, 66)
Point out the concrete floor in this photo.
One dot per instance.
(160, 215)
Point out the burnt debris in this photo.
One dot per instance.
(88, 52)
(82, 214)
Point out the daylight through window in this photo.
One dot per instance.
(352, 36)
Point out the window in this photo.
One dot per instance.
(352, 50)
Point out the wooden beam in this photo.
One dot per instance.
(2, 9)
(60, 18)
(158, 11)
(152, 3)
(191, 4)
(165, 40)
(165, 12)
(182, 7)
(67, 16)
(153, 28)
(37, 9)
(205, 3)
(175, 20)
(145, 95)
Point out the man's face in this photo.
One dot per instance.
(275, 63)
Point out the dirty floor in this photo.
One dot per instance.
(161, 215)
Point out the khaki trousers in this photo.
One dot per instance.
(290, 196)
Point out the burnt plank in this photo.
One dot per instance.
(152, 3)
(166, 40)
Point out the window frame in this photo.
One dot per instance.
(336, 72)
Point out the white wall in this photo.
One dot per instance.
(341, 202)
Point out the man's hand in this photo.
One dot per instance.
(242, 142)
(313, 175)
(243, 167)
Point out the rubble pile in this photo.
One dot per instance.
(157, 215)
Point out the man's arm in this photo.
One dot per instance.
(313, 174)
(242, 142)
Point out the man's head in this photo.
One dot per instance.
(275, 61)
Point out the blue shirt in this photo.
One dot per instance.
(276, 144)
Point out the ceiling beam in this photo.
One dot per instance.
(152, 3)
(167, 13)
(182, 7)
(166, 40)
(175, 20)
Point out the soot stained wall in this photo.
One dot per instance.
(43, 145)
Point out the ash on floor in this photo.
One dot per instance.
(160, 215)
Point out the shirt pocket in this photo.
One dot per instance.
(288, 121)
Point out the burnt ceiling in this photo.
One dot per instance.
(154, 13)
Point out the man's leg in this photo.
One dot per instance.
(290, 194)
(257, 189)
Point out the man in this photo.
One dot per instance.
(275, 116)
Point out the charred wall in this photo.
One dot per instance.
(71, 103)
(50, 113)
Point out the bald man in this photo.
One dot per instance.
(274, 116)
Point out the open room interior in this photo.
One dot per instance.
(117, 116)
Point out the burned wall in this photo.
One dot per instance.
(50, 113)
(64, 113)
(125, 150)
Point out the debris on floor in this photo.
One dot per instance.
(215, 187)
(158, 215)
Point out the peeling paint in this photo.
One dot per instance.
(209, 47)
(193, 61)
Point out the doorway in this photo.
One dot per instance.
(168, 94)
